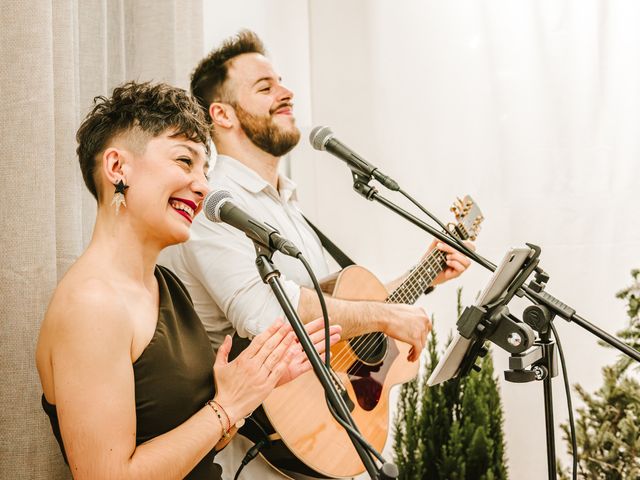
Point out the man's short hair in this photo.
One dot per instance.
(144, 110)
(207, 80)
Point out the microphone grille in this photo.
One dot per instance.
(319, 137)
(212, 203)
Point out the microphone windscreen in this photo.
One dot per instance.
(212, 203)
(319, 137)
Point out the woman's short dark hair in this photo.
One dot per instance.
(207, 80)
(142, 109)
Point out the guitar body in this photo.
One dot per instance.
(298, 410)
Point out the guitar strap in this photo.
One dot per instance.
(338, 255)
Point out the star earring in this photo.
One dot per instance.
(118, 195)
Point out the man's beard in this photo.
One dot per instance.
(265, 134)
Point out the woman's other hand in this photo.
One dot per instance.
(242, 384)
(300, 363)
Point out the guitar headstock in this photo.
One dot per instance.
(468, 216)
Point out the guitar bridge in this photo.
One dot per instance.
(342, 390)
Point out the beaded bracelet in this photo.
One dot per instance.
(217, 408)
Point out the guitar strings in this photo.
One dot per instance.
(414, 288)
(410, 290)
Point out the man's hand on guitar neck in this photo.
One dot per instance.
(457, 262)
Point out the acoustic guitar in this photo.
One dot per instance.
(305, 438)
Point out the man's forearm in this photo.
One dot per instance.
(407, 323)
(355, 317)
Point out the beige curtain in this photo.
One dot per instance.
(54, 58)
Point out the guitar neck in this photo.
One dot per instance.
(421, 277)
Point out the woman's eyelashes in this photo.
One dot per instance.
(186, 161)
(187, 164)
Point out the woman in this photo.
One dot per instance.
(124, 362)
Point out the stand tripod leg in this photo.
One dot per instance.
(548, 355)
(548, 415)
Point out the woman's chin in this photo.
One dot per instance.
(179, 237)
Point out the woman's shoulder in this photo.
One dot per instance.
(85, 321)
(88, 287)
(85, 299)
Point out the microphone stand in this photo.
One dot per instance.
(271, 276)
(545, 308)
(534, 291)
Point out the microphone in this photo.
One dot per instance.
(218, 207)
(322, 138)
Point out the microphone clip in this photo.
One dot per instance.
(361, 183)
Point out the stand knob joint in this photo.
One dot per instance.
(514, 339)
(537, 317)
(540, 372)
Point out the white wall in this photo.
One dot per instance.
(531, 107)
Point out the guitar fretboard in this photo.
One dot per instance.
(419, 279)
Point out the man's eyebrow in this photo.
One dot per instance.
(267, 79)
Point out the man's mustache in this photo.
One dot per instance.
(279, 106)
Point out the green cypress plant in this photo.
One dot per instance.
(452, 431)
(608, 425)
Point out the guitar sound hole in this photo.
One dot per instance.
(368, 380)
(370, 348)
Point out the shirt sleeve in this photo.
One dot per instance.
(223, 260)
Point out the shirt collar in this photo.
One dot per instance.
(251, 181)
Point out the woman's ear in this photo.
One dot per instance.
(222, 114)
(113, 165)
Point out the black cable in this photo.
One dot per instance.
(417, 204)
(567, 389)
(463, 248)
(323, 306)
(353, 433)
(260, 427)
(350, 430)
(250, 455)
(253, 451)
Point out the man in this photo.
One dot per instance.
(251, 113)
